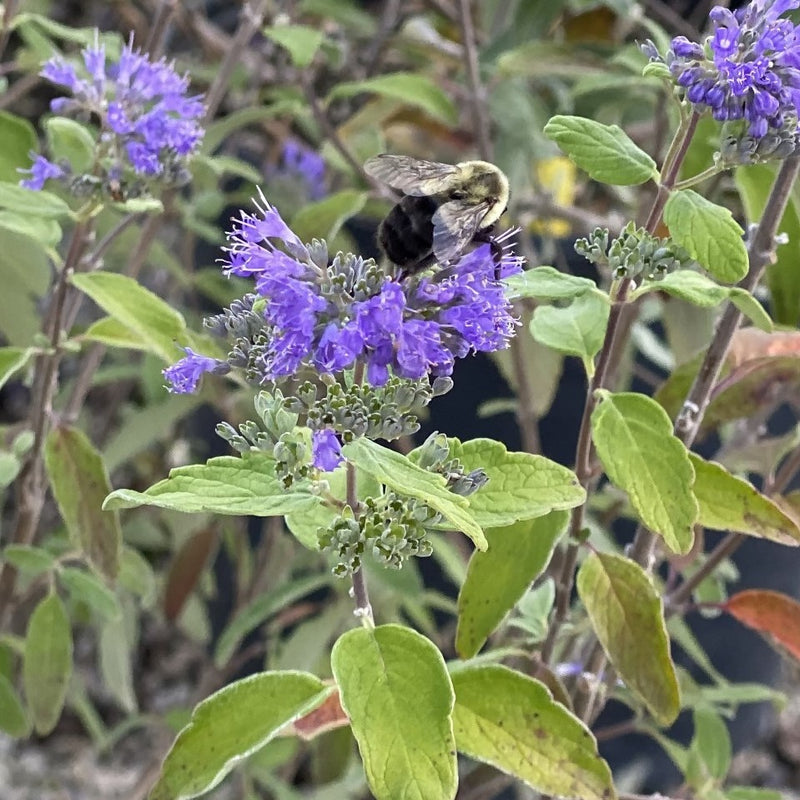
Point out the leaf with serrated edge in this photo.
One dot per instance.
(628, 618)
(397, 472)
(709, 233)
(520, 486)
(606, 152)
(511, 721)
(728, 503)
(47, 665)
(498, 578)
(223, 485)
(230, 725)
(634, 440)
(395, 689)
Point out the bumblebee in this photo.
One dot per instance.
(445, 208)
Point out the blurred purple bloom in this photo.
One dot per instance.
(148, 122)
(326, 450)
(750, 70)
(186, 373)
(40, 172)
(307, 164)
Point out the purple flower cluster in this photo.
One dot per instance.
(148, 123)
(328, 317)
(306, 165)
(749, 69)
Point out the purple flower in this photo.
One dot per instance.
(307, 165)
(40, 172)
(750, 69)
(326, 450)
(148, 123)
(186, 373)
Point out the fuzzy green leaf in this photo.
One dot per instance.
(301, 41)
(13, 719)
(396, 471)
(85, 587)
(511, 721)
(47, 664)
(499, 577)
(395, 689)
(19, 140)
(230, 725)
(34, 203)
(634, 440)
(408, 87)
(69, 140)
(628, 618)
(709, 233)
(80, 483)
(606, 152)
(728, 503)
(548, 283)
(702, 291)
(223, 485)
(28, 558)
(12, 360)
(577, 330)
(521, 485)
(156, 322)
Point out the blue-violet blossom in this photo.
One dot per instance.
(749, 68)
(148, 123)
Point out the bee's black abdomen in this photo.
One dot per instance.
(406, 235)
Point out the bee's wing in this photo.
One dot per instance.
(410, 175)
(454, 225)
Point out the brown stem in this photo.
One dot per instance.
(31, 484)
(527, 419)
(9, 13)
(480, 116)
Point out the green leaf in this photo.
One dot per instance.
(69, 140)
(754, 184)
(702, 291)
(712, 742)
(27, 201)
(113, 333)
(628, 618)
(521, 485)
(394, 687)
(511, 721)
(498, 578)
(30, 559)
(709, 233)
(46, 232)
(606, 152)
(301, 41)
(47, 665)
(19, 140)
(634, 440)
(259, 610)
(548, 283)
(137, 576)
(223, 485)
(115, 664)
(397, 472)
(12, 360)
(577, 329)
(230, 725)
(752, 793)
(138, 309)
(85, 587)
(324, 219)
(80, 483)
(408, 87)
(728, 503)
(13, 719)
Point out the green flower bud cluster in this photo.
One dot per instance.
(392, 527)
(738, 147)
(385, 412)
(634, 253)
(433, 455)
(277, 434)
